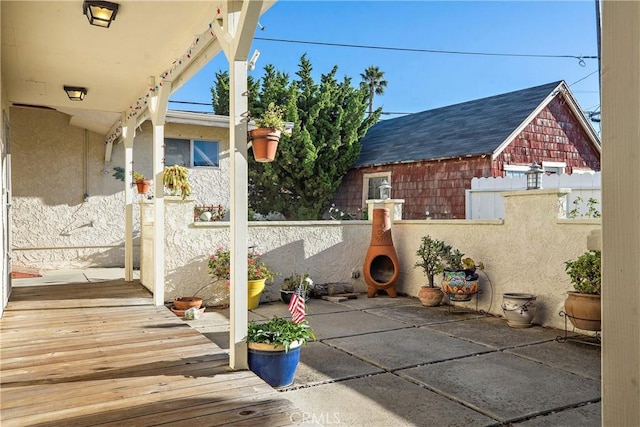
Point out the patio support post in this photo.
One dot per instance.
(158, 112)
(235, 34)
(620, 213)
(128, 133)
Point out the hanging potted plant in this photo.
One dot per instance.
(142, 184)
(582, 306)
(274, 349)
(176, 179)
(265, 138)
(430, 260)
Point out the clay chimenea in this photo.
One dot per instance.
(381, 263)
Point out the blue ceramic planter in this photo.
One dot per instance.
(276, 367)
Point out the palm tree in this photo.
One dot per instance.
(373, 78)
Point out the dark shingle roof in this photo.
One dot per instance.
(471, 128)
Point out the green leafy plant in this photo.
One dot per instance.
(137, 176)
(118, 173)
(280, 332)
(271, 118)
(295, 281)
(431, 253)
(453, 259)
(220, 266)
(584, 272)
(592, 211)
(176, 179)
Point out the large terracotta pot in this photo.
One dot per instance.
(185, 303)
(430, 297)
(583, 310)
(264, 143)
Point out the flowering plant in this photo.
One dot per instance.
(220, 265)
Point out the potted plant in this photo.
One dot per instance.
(430, 260)
(176, 179)
(265, 138)
(582, 306)
(142, 184)
(274, 349)
(460, 281)
(294, 282)
(257, 272)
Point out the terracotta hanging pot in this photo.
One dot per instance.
(264, 142)
(143, 185)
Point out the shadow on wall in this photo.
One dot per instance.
(114, 256)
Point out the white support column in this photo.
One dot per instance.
(128, 133)
(158, 111)
(235, 34)
(239, 212)
(620, 213)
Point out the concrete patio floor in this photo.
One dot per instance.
(383, 362)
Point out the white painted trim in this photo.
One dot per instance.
(365, 183)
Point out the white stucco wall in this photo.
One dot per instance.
(55, 164)
(525, 252)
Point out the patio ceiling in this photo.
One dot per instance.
(49, 44)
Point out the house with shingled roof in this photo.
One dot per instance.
(429, 158)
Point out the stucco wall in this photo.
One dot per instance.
(55, 164)
(525, 252)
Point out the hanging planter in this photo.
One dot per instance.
(142, 184)
(265, 138)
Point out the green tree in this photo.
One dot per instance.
(329, 121)
(373, 80)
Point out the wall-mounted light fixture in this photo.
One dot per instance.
(75, 93)
(534, 175)
(100, 13)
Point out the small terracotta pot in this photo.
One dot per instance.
(185, 303)
(430, 297)
(143, 185)
(264, 143)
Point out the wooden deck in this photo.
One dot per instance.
(101, 354)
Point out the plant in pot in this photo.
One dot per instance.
(294, 282)
(265, 137)
(460, 281)
(142, 184)
(430, 260)
(257, 272)
(274, 349)
(582, 306)
(176, 179)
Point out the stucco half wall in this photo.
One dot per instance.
(525, 252)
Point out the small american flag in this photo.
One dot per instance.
(296, 307)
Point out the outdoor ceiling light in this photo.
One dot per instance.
(75, 93)
(100, 13)
(533, 176)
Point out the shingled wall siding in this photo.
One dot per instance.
(436, 186)
(554, 136)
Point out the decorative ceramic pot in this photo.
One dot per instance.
(430, 297)
(583, 310)
(519, 309)
(255, 288)
(273, 364)
(459, 285)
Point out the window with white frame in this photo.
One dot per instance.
(554, 167)
(191, 152)
(371, 183)
(515, 170)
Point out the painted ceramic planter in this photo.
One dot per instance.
(460, 285)
(519, 309)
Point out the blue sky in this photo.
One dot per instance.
(421, 81)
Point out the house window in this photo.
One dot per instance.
(515, 170)
(551, 168)
(371, 185)
(191, 152)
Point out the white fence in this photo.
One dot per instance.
(484, 201)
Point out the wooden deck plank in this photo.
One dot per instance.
(81, 354)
